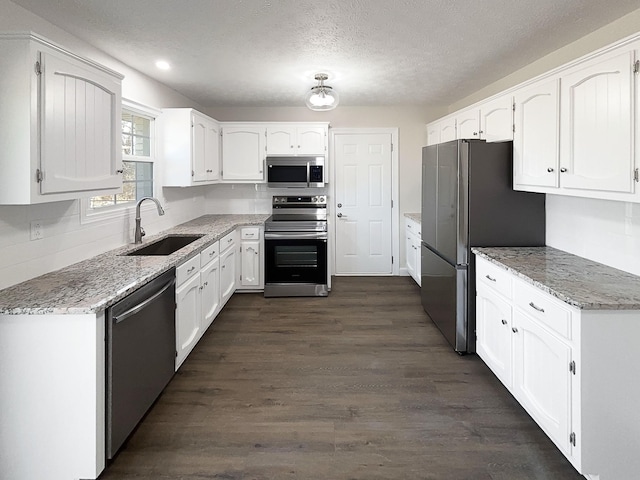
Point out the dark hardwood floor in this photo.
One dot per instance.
(359, 385)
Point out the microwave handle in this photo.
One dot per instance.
(308, 173)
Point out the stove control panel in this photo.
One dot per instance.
(309, 201)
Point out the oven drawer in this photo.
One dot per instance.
(295, 260)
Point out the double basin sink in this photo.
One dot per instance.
(165, 246)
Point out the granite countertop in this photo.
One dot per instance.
(94, 284)
(416, 217)
(579, 282)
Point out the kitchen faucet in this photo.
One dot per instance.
(139, 233)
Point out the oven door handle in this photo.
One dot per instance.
(295, 235)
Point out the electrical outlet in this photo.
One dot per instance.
(36, 231)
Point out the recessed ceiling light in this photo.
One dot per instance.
(163, 65)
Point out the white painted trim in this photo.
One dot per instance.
(395, 191)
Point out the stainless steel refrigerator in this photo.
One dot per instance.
(468, 200)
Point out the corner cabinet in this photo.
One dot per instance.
(60, 126)
(572, 370)
(191, 148)
(297, 139)
(243, 152)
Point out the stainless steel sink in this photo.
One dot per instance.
(166, 245)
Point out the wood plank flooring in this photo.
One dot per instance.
(359, 385)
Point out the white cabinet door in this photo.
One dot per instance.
(250, 259)
(447, 129)
(493, 331)
(205, 148)
(496, 119)
(281, 140)
(468, 124)
(227, 274)
(243, 153)
(311, 140)
(542, 381)
(188, 315)
(433, 133)
(210, 283)
(412, 258)
(596, 129)
(80, 127)
(535, 140)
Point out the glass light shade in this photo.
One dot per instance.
(321, 98)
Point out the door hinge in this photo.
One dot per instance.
(39, 175)
(513, 107)
(392, 147)
(514, 128)
(572, 439)
(572, 367)
(391, 203)
(193, 174)
(636, 177)
(38, 68)
(391, 259)
(636, 66)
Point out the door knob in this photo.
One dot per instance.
(340, 215)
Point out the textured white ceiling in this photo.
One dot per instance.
(266, 52)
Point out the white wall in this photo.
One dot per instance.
(66, 240)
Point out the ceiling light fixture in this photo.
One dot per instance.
(322, 97)
(163, 65)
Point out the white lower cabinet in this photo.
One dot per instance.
(573, 371)
(228, 258)
(250, 259)
(197, 299)
(413, 241)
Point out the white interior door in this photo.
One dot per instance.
(362, 204)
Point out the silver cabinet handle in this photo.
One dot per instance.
(563, 170)
(191, 269)
(514, 330)
(211, 254)
(535, 307)
(490, 278)
(504, 322)
(550, 169)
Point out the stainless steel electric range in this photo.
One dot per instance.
(295, 238)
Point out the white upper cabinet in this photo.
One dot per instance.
(60, 125)
(535, 139)
(297, 139)
(596, 124)
(447, 129)
(496, 119)
(468, 124)
(243, 152)
(191, 148)
(433, 133)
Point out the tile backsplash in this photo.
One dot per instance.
(604, 231)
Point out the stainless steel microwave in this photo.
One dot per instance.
(300, 172)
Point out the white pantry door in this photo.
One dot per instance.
(362, 204)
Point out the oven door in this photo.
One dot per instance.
(295, 258)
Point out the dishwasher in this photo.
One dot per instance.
(141, 352)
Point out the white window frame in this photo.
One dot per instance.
(89, 215)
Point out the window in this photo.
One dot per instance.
(137, 162)
(138, 157)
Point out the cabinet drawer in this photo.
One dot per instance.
(227, 241)
(209, 253)
(250, 233)
(496, 277)
(187, 270)
(413, 227)
(543, 307)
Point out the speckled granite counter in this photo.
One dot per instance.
(575, 280)
(94, 284)
(416, 217)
